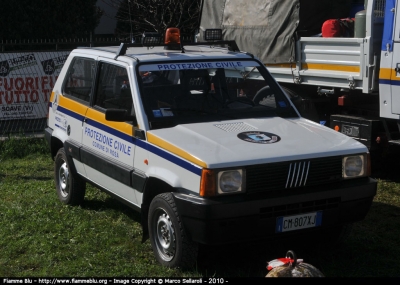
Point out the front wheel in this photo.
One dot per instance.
(70, 188)
(170, 243)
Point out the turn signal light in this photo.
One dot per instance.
(208, 183)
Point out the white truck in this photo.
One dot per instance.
(349, 84)
(171, 130)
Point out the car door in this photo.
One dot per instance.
(71, 105)
(108, 147)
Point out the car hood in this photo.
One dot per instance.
(254, 141)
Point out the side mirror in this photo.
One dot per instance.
(119, 115)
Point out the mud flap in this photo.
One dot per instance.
(144, 219)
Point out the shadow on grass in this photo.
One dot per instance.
(371, 251)
(386, 165)
(40, 178)
(113, 204)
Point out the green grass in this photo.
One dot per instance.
(21, 146)
(39, 236)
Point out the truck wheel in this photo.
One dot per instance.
(70, 188)
(171, 245)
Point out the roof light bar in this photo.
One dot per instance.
(172, 39)
(172, 36)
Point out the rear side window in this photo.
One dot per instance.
(78, 82)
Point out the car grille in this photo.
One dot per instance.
(293, 174)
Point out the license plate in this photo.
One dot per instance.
(351, 131)
(298, 222)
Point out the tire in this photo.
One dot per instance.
(70, 188)
(171, 245)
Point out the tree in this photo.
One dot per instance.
(48, 19)
(137, 16)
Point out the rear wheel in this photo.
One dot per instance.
(70, 188)
(171, 245)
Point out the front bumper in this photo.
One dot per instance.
(240, 218)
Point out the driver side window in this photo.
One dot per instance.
(114, 90)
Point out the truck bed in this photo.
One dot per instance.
(350, 63)
(329, 62)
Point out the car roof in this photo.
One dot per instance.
(158, 53)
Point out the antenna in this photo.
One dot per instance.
(130, 20)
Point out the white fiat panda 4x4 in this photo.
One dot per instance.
(203, 142)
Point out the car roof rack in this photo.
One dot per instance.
(232, 46)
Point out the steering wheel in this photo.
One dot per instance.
(262, 93)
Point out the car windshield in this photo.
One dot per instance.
(194, 92)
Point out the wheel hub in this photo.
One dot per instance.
(165, 237)
(63, 178)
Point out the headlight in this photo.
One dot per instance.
(220, 182)
(356, 166)
(230, 181)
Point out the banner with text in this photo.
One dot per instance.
(26, 82)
